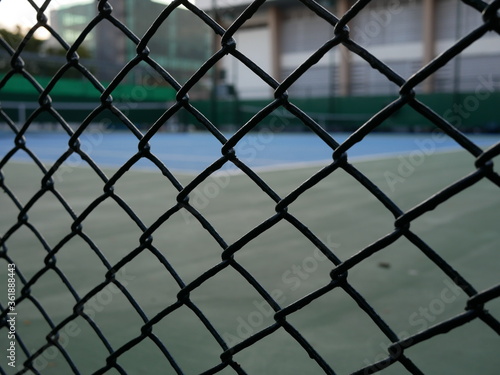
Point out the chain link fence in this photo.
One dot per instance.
(49, 339)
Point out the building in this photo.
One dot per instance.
(180, 45)
(405, 34)
(341, 91)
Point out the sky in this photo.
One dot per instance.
(20, 12)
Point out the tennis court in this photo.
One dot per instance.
(279, 249)
(408, 291)
(193, 152)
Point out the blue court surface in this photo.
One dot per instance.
(192, 152)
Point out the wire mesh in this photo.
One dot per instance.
(475, 308)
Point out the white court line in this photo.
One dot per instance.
(123, 155)
(234, 171)
(324, 163)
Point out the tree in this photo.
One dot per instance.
(39, 58)
(14, 39)
(82, 51)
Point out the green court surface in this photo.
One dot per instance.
(409, 291)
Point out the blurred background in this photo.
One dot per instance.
(341, 91)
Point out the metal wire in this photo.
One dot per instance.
(475, 308)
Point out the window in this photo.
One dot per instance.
(69, 19)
